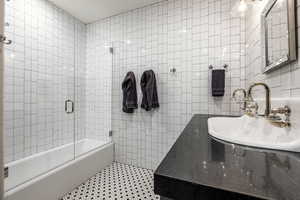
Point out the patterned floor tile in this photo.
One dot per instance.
(117, 182)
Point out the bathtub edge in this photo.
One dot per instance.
(59, 181)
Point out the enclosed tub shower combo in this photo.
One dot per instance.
(56, 131)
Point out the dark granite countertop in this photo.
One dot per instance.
(197, 159)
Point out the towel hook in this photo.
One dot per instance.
(173, 70)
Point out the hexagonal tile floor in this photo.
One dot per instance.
(117, 182)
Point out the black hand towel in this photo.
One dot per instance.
(218, 82)
(149, 90)
(129, 93)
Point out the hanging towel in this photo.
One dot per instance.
(218, 82)
(129, 93)
(149, 90)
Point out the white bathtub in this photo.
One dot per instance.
(91, 156)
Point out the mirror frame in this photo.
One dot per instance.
(292, 54)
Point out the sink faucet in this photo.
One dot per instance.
(245, 96)
(279, 117)
(268, 103)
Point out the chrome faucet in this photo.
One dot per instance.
(268, 101)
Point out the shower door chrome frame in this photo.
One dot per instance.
(1, 102)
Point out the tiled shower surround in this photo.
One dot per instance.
(188, 35)
(47, 54)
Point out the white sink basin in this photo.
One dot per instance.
(256, 132)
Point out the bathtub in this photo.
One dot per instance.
(91, 156)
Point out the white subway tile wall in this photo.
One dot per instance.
(48, 49)
(284, 82)
(188, 35)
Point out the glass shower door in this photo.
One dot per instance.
(39, 90)
(1, 99)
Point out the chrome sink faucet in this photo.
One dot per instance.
(268, 101)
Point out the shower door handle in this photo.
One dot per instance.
(69, 103)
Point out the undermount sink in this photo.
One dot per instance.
(256, 132)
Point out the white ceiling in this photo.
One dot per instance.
(92, 10)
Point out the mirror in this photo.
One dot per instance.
(278, 34)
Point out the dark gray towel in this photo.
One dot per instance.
(149, 90)
(129, 93)
(218, 82)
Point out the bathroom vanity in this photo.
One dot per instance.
(199, 166)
